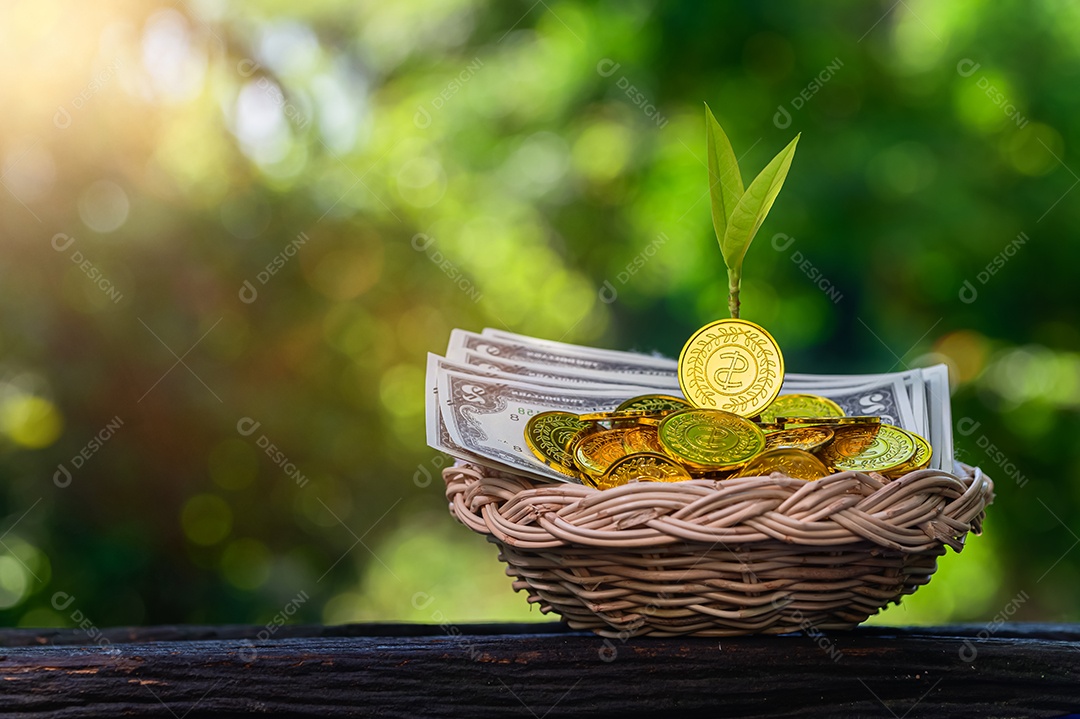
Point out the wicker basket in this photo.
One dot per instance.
(754, 555)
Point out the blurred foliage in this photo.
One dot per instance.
(231, 231)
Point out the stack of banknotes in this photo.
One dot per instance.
(481, 394)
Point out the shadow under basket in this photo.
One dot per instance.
(751, 555)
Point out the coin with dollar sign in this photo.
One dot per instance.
(731, 365)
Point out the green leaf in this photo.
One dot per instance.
(725, 182)
(753, 206)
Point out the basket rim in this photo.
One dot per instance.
(918, 512)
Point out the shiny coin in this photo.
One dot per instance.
(642, 467)
(796, 463)
(831, 421)
(621, 417)
(920, 460)
(548, 436)
(595, 450)
(805, 438)
(710, 439)
(643, 438)
(731, 365)
(868, 448)
(801, 405)
(654, 403)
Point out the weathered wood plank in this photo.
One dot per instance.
(526, 670)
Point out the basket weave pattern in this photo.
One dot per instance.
(752, 555)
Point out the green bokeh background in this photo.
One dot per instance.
(533, 153)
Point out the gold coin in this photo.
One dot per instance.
(796, 463)
(548, 436)
(731, 365)
(643, 438)
(709, 438)
(920, 460)
(654, 403)
(595, 450)
(831, 421)
(805, 438)
(621, 417)
(868, 448)
(801, 405)
(768, 427)
(642, 466)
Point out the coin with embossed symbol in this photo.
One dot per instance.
(805, 438)
(801, 405)
(731, 365)
(548, 436)
(920, 460)
(643, 438)
(709, 438)
(595, 450)
(654, 403)
(796, 463)
(642, 467)
(868, 448)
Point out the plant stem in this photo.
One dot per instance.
(734, 282)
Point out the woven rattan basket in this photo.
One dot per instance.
(754, 555)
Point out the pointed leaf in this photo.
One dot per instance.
(754, 205)
(725, 182)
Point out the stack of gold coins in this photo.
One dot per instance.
(733, 423)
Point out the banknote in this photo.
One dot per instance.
(566, 376)
(462, 341)
(438, 436)
(888, 400)
(566, 348)
(486, 416)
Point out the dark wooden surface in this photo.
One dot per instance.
(1022, 670)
